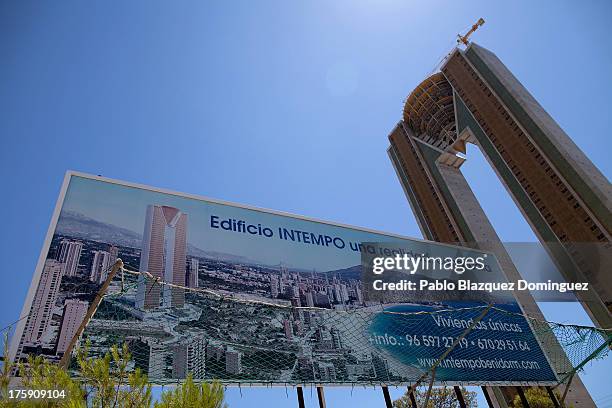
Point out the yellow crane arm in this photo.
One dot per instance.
(463, 39)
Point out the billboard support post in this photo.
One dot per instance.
(567, 387)
(552, 397)
(485, 391)
(459, 396)
(522, 396)
(431, 382)
(65, 360)
(321, 397)
(388, 402)
(300, 396)
(412, 398)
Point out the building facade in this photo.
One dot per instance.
(44, 301)
(70, 255)
(565, 198)
(233, 362)
(114, 254)
(100, 265)
(189, 359)
(74, 313)
(192, 279)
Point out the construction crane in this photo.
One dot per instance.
(463, 39)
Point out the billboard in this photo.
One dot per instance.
(246, 295)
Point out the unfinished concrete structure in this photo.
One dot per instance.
(565, 198)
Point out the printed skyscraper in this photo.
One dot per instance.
(69, 255)
(164, 251)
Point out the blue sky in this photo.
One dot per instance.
(282, 105)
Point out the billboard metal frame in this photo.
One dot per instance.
(18, 333)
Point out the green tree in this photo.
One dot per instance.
(39, 374)
(102, 382)
(441, 397)
(537, 398)
(5, 374)
(192, 395)
(108, 383)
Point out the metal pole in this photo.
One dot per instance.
(65, 360)
(567, 387)
(388, 402)
(487, 397)
(412, 398)
(553, 397)
(321, 397)
(459, 396)
(300, 395)
(433, 378)
(448, 351)
(522, 396)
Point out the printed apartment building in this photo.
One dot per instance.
(164, 251)
(100, 266)
(233, 361)
(74, 313)
(43, 302)
(565, 198)
(69, 254)
(191, 279)
(189, 359)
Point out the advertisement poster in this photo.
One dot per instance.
(256, 296)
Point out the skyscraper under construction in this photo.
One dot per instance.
(474, 98)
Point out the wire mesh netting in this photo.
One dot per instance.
(218, 335)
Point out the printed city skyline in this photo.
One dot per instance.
(124, 207)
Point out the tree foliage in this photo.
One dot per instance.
(103, 382)
(441, 397)
(537, 398)
(190, 394)
(109, 383)
(444, 397)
